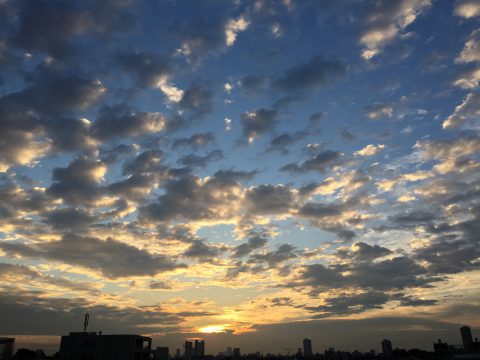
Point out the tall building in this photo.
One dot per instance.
(387, 347)
(161, 353)
(93, 346)
(6, 348)
(236, 353)
(307, 348)
(467, 339)
(199, 349)
(188, 350)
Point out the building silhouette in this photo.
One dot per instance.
(161, 353)
(467, 339)
(387, 347)
(188, 350)
(93, 346)
(236, 353)
(307, 348)
(199, 349)
(6, 348)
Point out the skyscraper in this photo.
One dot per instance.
(467, 339)
(387, 347)
(199, 349)
(188, 350)
(307, 348)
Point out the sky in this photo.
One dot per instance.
(252, 172)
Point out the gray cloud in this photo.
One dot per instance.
(194, 160)
(315, 72)
(256, 241)
(120, 121)
(69, 218)
(50, 27)
(147, 69)
(195, 141)
(78, 182)
(253, 84)
(269, 199)
(320, 162)
(110, 257)
(259, 122)
(197, 101)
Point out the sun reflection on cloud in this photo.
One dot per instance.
(210, 329)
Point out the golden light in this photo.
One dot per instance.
(210, 329)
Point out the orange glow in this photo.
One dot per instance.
(210, 329)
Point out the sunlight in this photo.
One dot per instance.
(210, 329)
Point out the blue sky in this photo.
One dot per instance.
(240, 170)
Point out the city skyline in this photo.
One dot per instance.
(240, 171)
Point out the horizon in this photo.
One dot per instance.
(240, 170)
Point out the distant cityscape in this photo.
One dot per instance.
(98, 346)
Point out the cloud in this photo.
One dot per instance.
(195, 141)
(257, 123)
(36, 308)
(387, 21)
(146, 162)
(148, 69)
(467, 111)
(255, 242)
(283, 141)
(379, 111)
(468, 80)
(110, 257)
(317, 71)
(192, 198)
(194, 160)
(320, 162)
(205, 36)
(120, 122)
(69, 218)
(471, 50)
(196, 101)
(346, 134)
(253, 84)
(361, 251)
(467, 9)
(391, 274)
(369, 150)
(51, 27)
(77, 183)
(269, 199)
(40, 118)
(200, 250)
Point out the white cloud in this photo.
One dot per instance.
(380, 111)
(228, 87)
(233, 28)
(387, 21)
(468, 9)
(369, 150)
(469, 79)
(468, 110)
(471, 50)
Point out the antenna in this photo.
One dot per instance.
(85, 322)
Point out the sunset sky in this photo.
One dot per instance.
(248, 171)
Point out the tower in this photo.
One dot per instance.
(387, 347)
(467, 339)
(199, 349)
(307, 348)
(188, 350)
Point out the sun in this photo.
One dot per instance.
(210, 329)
